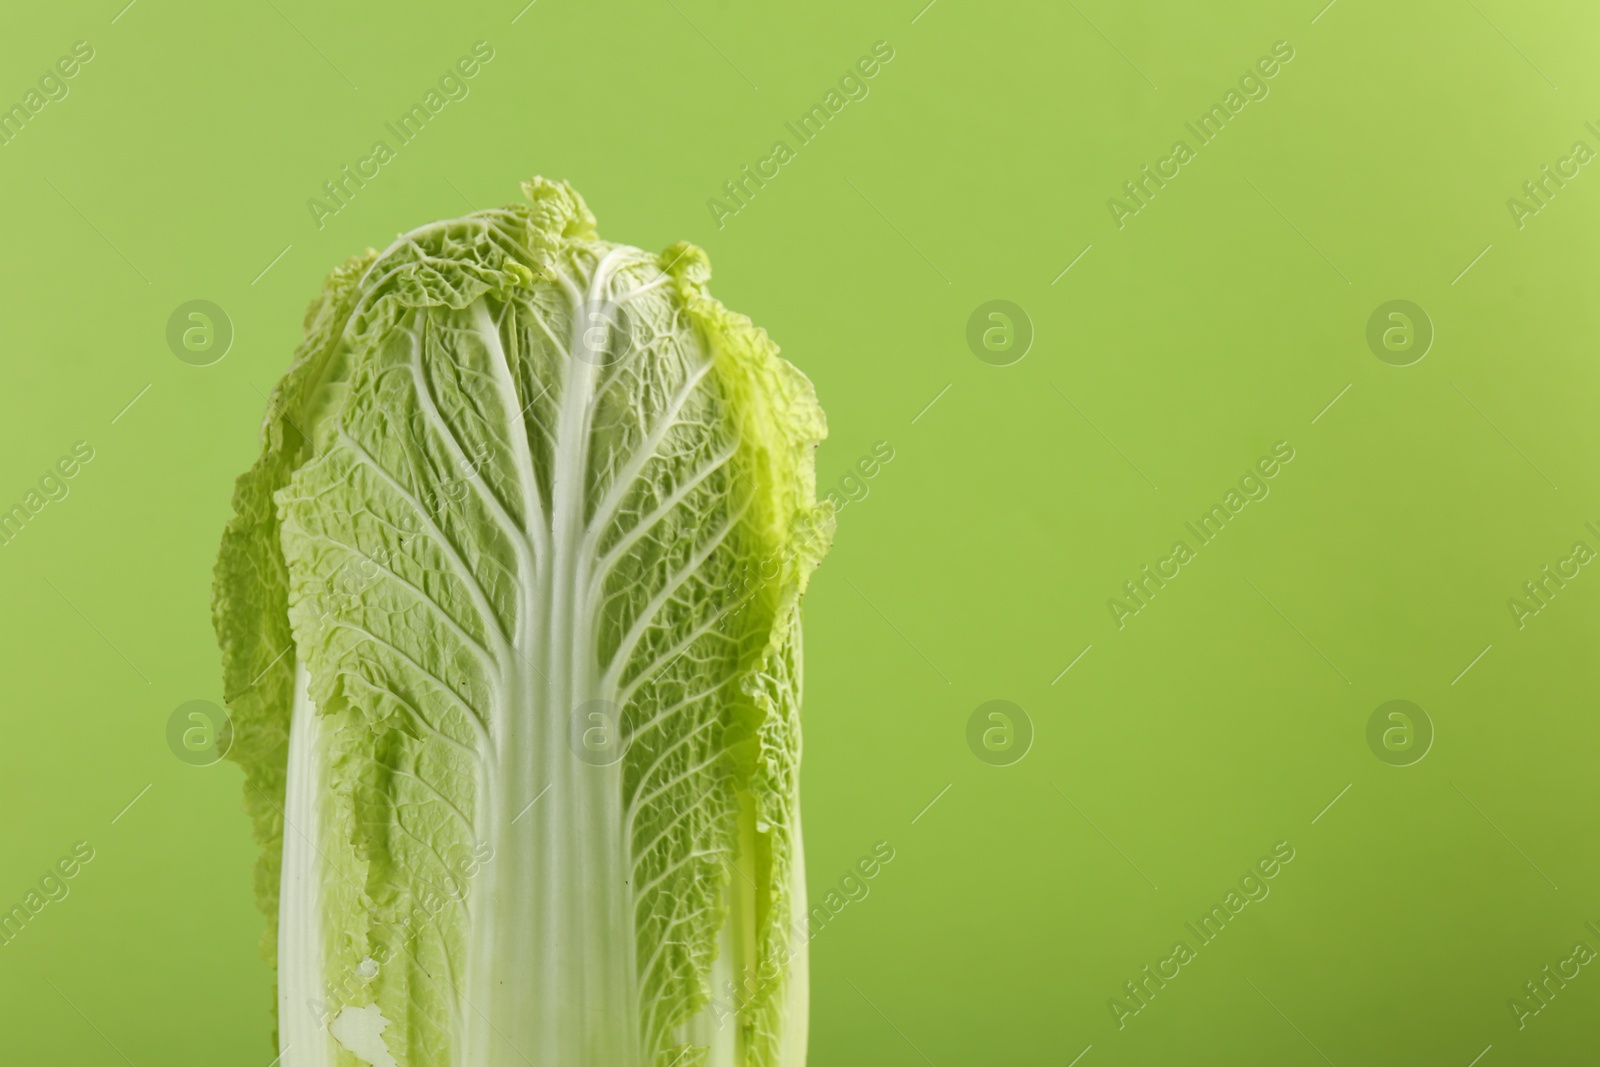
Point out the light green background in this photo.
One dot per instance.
(1222, 319)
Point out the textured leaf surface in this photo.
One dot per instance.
(530, 527)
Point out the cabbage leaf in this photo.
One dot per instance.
(510, 619)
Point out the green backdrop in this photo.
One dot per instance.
(1236, 300)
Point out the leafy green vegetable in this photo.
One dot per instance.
(509, 614)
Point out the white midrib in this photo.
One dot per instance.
(302, 1039)
(552, 970)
